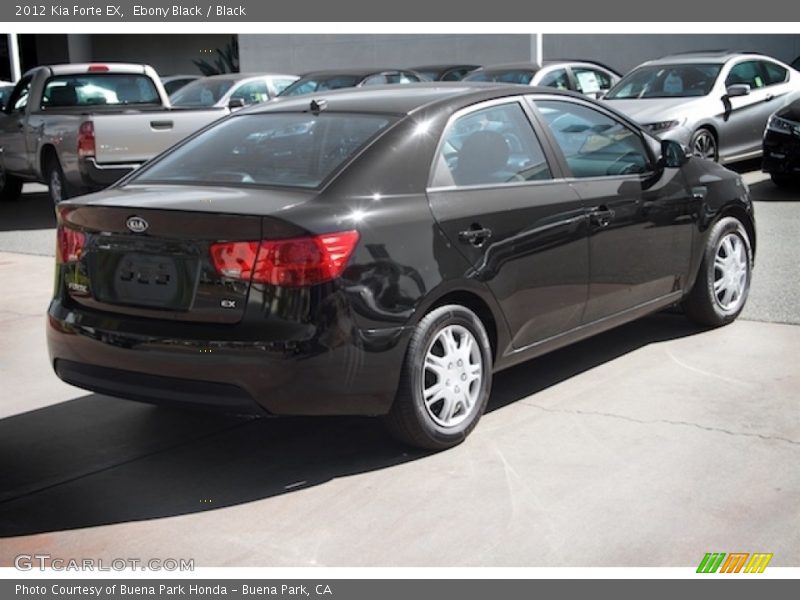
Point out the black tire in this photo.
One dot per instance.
(10, 186)
(410, 420)
(57, 187)
(703, 304)
(783, 180)
(704, 144)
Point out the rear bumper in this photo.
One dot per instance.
(99, 352)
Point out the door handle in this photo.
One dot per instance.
(601, 215)
(475, 235)
(161, 124)
(769, 97)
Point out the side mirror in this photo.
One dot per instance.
(673, 154)
(236, 102)
(737, 89)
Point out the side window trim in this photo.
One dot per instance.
(26, 83)
(556, 174)
(556, 148)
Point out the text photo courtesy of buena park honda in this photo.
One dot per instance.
(400, 300)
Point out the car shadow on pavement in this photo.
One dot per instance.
(767, 191)
(97, 460)
(31, 211)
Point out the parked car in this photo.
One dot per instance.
(446, 72)
(588, 78)
(232, 90)
(717, 103)
(80, 127)
(782, 145)
(320, 81)
(173, 83)
(6, 88)
(281, 262)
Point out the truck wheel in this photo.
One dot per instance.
(10, 186)
(57, 186)
(445, 381)
(723, 281)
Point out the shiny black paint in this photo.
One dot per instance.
(547, 276)
(782, 149)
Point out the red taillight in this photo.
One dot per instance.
(70, 245)
(86, 145)
(97, 68)
(294, 262)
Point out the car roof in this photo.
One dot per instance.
(400, 99)
(703, 56)
(243, 76)
(349, 72)
(444, 67)
(578, 62)
(529, 66)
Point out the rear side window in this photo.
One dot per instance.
(490, 146)
(281, 149)
(594, 144)
(775, 73)
(92, 89)
(556, 78)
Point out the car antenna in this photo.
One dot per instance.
(318, 106)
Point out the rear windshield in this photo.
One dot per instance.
(93, 89)
(522, 76)
(282, 149)
(201, 92)
(320, 84)
(666, 81)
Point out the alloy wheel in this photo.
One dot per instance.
(731, 270)
(704, 145)
(452, 376)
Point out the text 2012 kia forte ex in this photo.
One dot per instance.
(384, 251)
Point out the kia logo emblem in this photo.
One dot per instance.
(137, 224)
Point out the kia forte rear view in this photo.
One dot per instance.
(384, 251)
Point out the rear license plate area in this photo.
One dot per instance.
(140, 279)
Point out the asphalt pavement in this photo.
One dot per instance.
(649, 445)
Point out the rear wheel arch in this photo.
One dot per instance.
(475, 303)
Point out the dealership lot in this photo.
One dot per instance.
(646, 446)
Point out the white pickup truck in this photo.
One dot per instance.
(80, 127)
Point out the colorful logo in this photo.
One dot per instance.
(736, 562)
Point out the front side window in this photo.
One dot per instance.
(282, 149)
(593, 143)
(591, 81)
(319, 84)
(491, 146)
(666, 81)
(201, 92)
(19, 97)
(378, 79)
(92, 89)
(252, 92)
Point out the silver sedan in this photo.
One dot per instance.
(716, 103)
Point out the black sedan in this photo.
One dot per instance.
(782, 145)
(385, 251)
